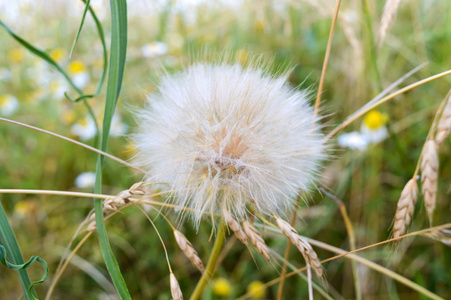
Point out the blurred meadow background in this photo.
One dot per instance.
(366, 176)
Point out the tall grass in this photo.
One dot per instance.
(351, 218)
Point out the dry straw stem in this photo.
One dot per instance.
(235, 226)
(188, 250)
(444, 125)
(390, 9)
(429, 175)
(256, 239)
(351, 237)
(176, 292)
(100, 196)
(76, 143)
(405, 208)
(342, 253)
(303, 246)
(359, 113)
(442, 235)
(326, 56)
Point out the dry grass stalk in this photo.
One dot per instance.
(390, 8)
(119, 200)
(91, 223)
(444, 125)
(235, 226)
(256, 239)
(176, 292)
(188, 249)
(429, 174)
(405, 209)
(303, 246)
(442, 235)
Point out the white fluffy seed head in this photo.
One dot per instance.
(225, 137)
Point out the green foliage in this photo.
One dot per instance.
(368, 182)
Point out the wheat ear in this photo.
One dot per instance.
(444, 125)
(256, 239)
(405, 208)
(235, 226)
(176, 292)
(303, 246)
(429, 174)
(390, 8)
(188, 250)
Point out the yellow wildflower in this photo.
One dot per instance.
(222, 287)
(375, 119)
(16, 55)
(57, 54)
(256, 289)
(76, 67)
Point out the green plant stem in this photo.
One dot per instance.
(372, 44)
(8, 239)
(209, 270)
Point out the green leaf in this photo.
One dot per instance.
(42, 55)
(104, 50)
(115, 74)
(8, 239)
(80, 27)
(24, 266)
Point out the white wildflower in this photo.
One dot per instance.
(154, 49)
(85, 180)
(118, 128)
(5, 75)
(8, 105)
(57, 89)
(85, 129)
(353, 140)
(225, 137)
(373, 127)
(79, 73)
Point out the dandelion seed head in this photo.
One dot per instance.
(226, 137)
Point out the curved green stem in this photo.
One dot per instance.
(209, 270)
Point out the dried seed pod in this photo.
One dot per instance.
(176, 292)
(444, 125)
(405, 208)
(429, 175)
(137, 189)
(256, 239)
(390, 8)
(303, 246)
(91, 223)
(188, 250)
(235, 226)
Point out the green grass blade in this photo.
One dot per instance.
(18, 267)
(50, 61)
(85, 11)
(41, 54)
(8, 239)
(104, 50)
(115, 74)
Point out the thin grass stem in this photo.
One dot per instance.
(359, 113)
(326, 57)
